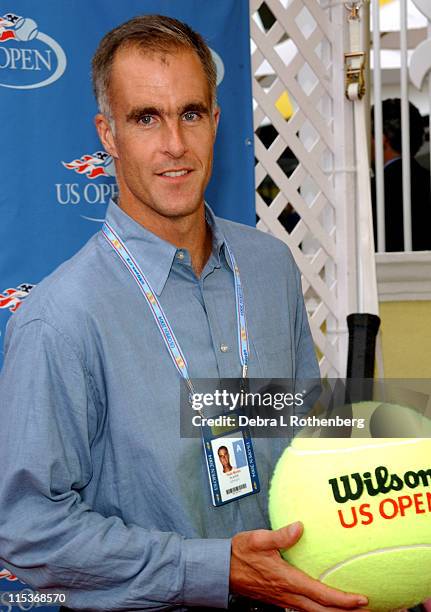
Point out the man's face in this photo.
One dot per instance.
(223, 454)
(164, 132)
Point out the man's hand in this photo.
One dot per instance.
(258, 571)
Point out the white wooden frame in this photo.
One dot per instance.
(322, 188)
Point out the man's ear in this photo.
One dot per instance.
(386, 143)
(216, 118)
(106, 135)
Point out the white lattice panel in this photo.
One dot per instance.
(302, 164)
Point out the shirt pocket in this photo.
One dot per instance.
(274, 355)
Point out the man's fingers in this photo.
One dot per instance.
(323, 594)
(300, 583)
(285, 537)
(304, 604)
(259, 572)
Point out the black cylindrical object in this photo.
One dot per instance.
(363, 328)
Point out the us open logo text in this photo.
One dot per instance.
(29, 58)
(88, 188)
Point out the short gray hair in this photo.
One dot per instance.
(153, 33)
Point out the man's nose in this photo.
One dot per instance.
(174, 139)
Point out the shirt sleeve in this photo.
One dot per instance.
(49, 537)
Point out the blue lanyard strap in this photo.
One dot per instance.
(161, 319)
(243, 346)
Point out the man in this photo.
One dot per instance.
(420, 193)
(223, 455)
(99, 496)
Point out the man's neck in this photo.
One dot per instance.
(191, 232)
(196, 238)
(390, 154)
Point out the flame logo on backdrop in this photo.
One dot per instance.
(12, 300)
(7, 27)
(7, 575)
(92, 166)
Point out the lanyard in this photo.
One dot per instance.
(161, 319)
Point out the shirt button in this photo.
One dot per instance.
(224, 348)
(180, 255)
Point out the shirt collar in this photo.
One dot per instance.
(154, 255)
(219, 242)
(391, 161)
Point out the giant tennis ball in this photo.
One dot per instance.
(366, 508)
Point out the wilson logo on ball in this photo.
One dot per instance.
(29, 58)
(384, 482)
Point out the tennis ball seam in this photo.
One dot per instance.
(371, 553)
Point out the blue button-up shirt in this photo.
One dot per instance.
(99, 494)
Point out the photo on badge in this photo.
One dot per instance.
(232, 467)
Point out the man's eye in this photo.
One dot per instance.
(146, 119)
(191, 116)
